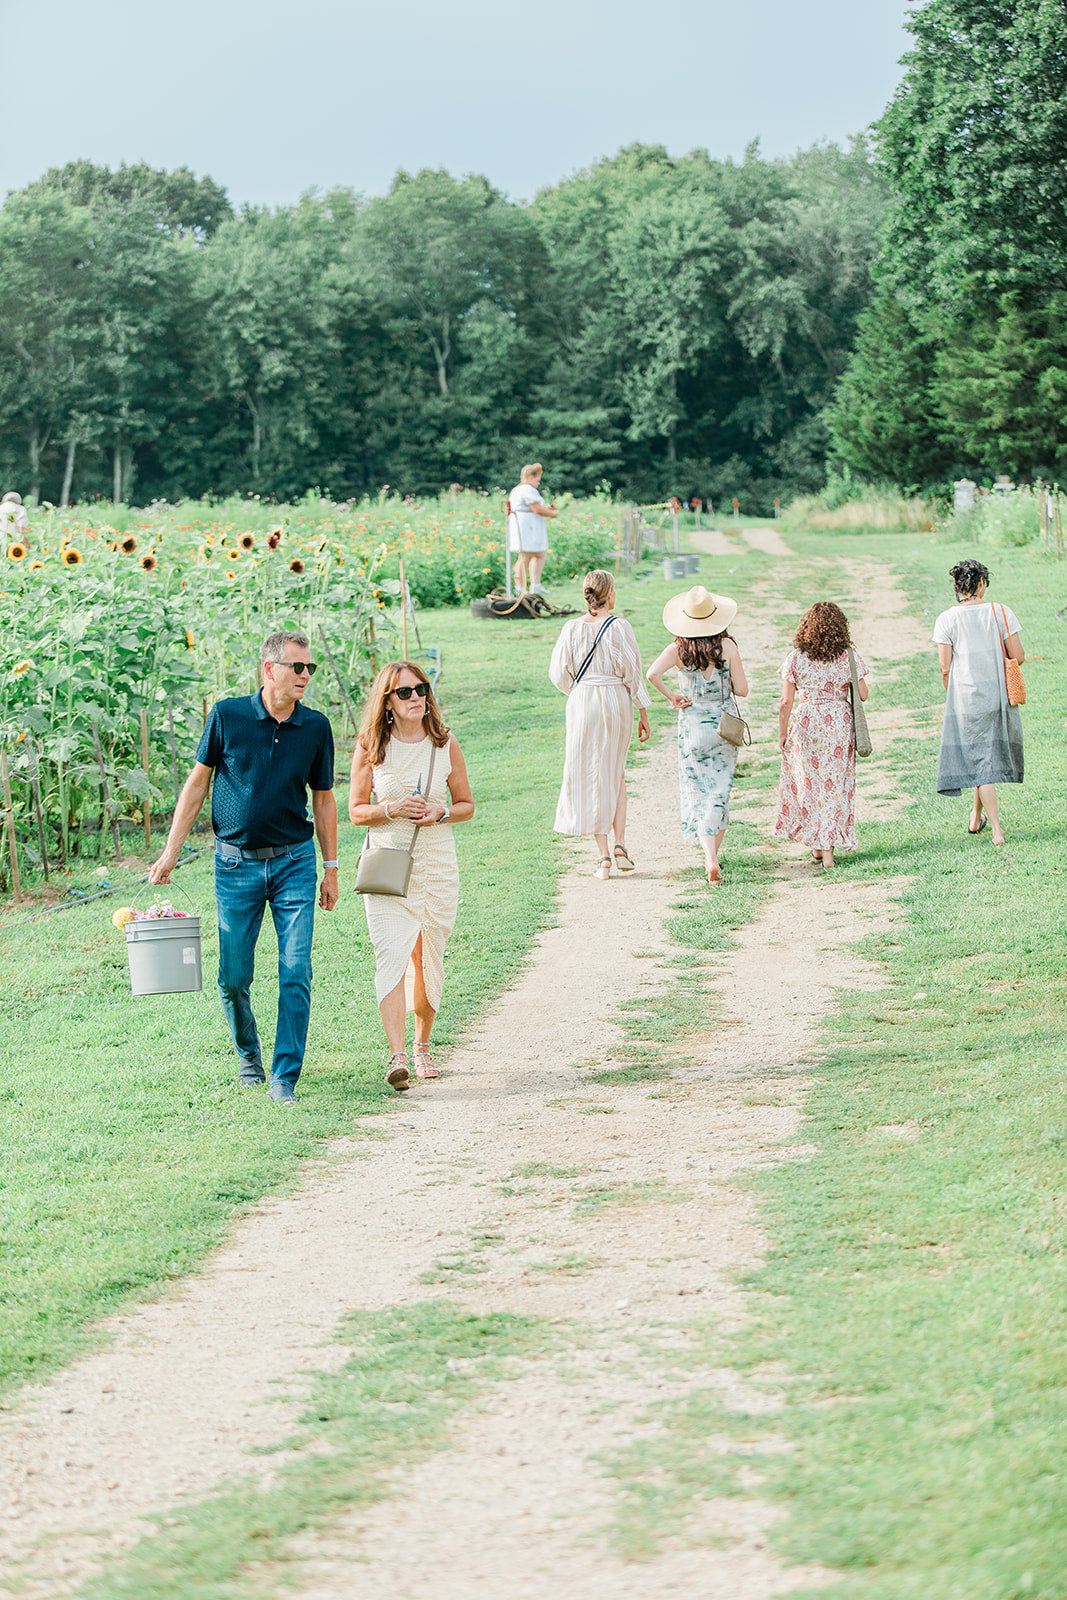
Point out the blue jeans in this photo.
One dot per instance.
(243, 890)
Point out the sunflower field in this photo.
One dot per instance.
(122, 626)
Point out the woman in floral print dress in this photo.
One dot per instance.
(710, 673)
(817, 787)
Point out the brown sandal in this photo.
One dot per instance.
(397, 1075)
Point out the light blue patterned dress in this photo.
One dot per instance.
(705, 762)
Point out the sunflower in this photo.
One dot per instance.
(149, 563)
(128, 545)
(205, 552)
(233, 555)
(190, 642)
(296, 566)
(112, 544)
(36, 566)
(247, 541)
(16, 552)
(20, 667)
(72, 557)
(232, 576)
(274, 538)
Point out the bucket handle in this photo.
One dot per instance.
(155, 886)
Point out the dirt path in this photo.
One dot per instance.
(517, 1507)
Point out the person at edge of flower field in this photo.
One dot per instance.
(14, 519)
(265, 752)
(710, 672)
(394, 792)
(982, 735)
(597, 665)
(528, 529)
(817, 786)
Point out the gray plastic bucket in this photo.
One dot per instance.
(692, 565)
(164, 955)
(674, 567)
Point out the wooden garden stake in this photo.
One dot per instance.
(403, 612)
(9, 825)
(105, 790)
(370, 646)
(144, 763)
(340, 681)
(36, 788)
(173, 748)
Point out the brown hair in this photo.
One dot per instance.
(377, 727)
(697, 655)
(823, 632)
(597, 586)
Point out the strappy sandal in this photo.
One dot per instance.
(625, 865)
(397, 1075)
(603, 868)
(424, 1067)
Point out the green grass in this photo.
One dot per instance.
(411, 1371)
(916, 1288)
(126, 1147)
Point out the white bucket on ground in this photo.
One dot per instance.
(164, 955)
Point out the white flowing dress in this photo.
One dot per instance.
(429, 907)
(600, 720)
(982, 735)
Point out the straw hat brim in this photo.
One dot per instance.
(681, 614)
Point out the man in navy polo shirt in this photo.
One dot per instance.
(265, 750)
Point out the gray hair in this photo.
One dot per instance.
(274, 645)
(16, 499)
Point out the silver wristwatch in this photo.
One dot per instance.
(445, 814)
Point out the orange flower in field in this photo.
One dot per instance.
(128, 545)
(296, 566)
(149, 563)
(232, 577)
(274, 539)
(190, 642)
(72, 557)
(16, 551)
(233, 555)
(247, 542)
(21, 666)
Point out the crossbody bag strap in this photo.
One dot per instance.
(605, 625)
(426, 796)
(1005, 637)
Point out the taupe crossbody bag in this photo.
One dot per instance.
(383, 869)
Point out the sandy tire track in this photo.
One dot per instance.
(189, 1384)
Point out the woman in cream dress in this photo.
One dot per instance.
(600, 720)
(393, 790)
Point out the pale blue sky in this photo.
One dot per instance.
(273, 98)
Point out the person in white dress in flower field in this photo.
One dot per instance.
(710, 673)
(391, 791)
(597, 665)
(982, 735)
(14, 521)
(528, 528)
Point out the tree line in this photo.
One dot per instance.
(960, 363)
(660, 325)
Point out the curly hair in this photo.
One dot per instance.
(823, 632)
(377, 728)
(967, 575)
(697, 655)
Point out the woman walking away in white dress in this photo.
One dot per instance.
(392, 791)
(709, 674)
(597, 665)
(982, 735)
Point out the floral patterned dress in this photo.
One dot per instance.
(817, 787)
(705, 761)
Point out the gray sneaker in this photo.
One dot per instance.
(250, 1074)
(281, 1095)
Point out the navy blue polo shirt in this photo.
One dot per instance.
(263, 770)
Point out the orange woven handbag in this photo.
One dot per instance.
(1013, 672)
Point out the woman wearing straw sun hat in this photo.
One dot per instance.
(710, 673)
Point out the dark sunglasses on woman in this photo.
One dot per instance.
(421, 689)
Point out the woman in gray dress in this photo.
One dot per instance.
(709, 674)
(982, 737)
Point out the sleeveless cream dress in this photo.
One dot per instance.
(429, 907)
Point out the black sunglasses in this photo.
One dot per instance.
(421, 689)
(310, 667)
